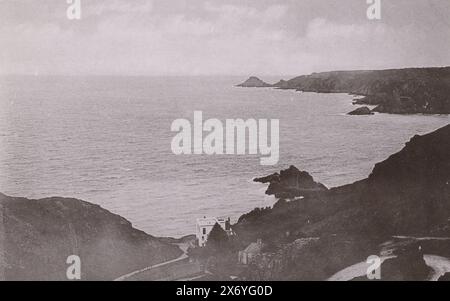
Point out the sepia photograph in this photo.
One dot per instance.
(224, 141)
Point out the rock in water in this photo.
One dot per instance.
(254, 82)
(291, 183)
(407, 193)
(361, 111)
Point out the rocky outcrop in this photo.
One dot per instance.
(291, 183)
(361, 111)
(39, 235)
(407, 265)
(396, 91)
(254, 82)
(409, 193)
(405, 268)
(308, 259)
(406, 194)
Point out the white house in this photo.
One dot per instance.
(205, 225)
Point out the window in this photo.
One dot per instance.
(204, 231)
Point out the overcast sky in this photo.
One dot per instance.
(201, 37)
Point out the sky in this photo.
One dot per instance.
(227, 37)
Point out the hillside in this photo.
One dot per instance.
(408, 194)
(313, 237)
(39, 235)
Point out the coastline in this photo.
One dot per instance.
(125, 180)
(393, 91)
(320, 213)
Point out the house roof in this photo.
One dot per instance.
(254, 247)
(206, 221)
(210, 221)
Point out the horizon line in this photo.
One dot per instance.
(37, 74)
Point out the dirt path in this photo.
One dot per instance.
(131, 275)
(175, 269)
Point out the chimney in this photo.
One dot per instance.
(227, 224)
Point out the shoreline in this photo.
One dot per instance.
(393, 91)
(320, 213)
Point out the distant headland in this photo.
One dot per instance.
(395, 91)
(254, 82)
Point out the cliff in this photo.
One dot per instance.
(39, 235)
(407, 194)
(398, 91)
(410, 191)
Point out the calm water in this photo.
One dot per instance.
(107, 140)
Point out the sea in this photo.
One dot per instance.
(107, 140)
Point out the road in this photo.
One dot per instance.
(356, 270)
(439, 264)
(422, 238)
(175, 269)
(137, 272)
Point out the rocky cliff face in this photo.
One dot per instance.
(410, 191)
(398, 91)
(407, 194)
(39, 235)
(308, 259)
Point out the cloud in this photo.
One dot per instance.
(321, 29)
(213, 37)
(230, 11)
(180, 25)
(118, 7)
